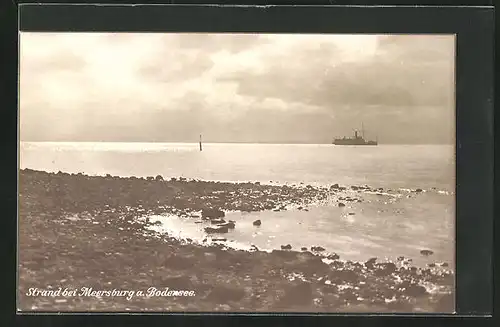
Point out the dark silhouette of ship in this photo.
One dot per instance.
(356, 140)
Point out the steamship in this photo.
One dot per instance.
(355, 140)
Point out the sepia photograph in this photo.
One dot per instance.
(236, 172)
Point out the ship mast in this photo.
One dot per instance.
(362, 130)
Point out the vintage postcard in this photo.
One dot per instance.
(182, 172)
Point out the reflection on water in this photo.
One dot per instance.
(359, 231)
(381, 226)
(388, 166)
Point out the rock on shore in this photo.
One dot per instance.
(212, 213)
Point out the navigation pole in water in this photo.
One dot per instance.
(201, 149)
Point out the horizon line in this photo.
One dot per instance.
(227, 142)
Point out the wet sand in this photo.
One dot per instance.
(82, 231)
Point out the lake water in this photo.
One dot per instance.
(380, 226)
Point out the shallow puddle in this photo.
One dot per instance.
(358, 231)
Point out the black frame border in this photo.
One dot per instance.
(473, 27)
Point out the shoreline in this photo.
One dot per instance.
(106, 247)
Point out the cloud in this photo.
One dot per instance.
(400, 73)
(215, 42)
(235, 87)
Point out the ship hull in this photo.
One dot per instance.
(356, 140)
(353, 142)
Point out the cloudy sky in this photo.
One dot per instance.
(235, 87)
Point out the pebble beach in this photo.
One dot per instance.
(80, 232)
